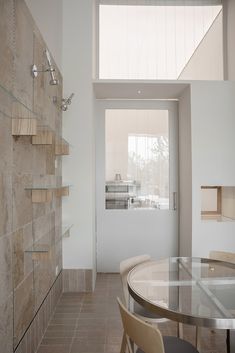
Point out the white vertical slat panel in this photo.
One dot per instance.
(151, 42)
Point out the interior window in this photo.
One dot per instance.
(137, 159)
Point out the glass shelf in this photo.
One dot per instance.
(39, 252)
(47, 187)
(35, 115)
(66, 230)
(42, 187)
(15, 100)
(39, 248)
(61, 147)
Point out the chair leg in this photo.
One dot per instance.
(180, 330)
(228, 341)
(198, 338)
(124, 344)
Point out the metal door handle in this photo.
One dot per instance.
(174, 200)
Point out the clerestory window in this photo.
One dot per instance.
(155, 39)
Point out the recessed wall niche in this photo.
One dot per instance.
(218, 203)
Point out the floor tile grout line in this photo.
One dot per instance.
(38, 347)
(92, 303)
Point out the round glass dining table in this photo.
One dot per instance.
(194, 291)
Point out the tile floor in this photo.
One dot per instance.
(90, 323)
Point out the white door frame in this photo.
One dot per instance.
(125, 233)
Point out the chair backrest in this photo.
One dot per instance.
(125, 267)
(147, 337)
(222, 256)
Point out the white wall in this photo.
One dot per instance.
(78, 129)
(48, 17)
(213, 162)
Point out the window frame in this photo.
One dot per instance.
(96, 34)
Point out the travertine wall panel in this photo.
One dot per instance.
(5, 267)
(23, 80)
(6, 162)
(6, 203)
(22, 203)
(39, 91)
(39, 159)
(6, 324)
(25, 277)
(22, 261)
(34, 334)
(6, 102)
(21, 148)
(23, 306)
(5, 143)
(6, 40)
(42, 227)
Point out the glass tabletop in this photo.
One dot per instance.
(191, 290)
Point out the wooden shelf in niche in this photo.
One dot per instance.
(218, 203)
(39, 252)
(44, 136)
(24, 127)
(61, 147)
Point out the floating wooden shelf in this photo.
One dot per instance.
(44, 194)
(61, 147)
(41, 194)
(24, 127)
(62, 191)
(44, 136)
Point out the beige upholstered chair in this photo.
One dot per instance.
(148, 338)
(227, 257)
(223, 256)
(125, 267)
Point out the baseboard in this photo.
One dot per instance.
(77, 280)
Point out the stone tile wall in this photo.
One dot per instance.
(33, 335)
(24, 280)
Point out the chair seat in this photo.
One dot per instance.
(146, 315)
(176, 345)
